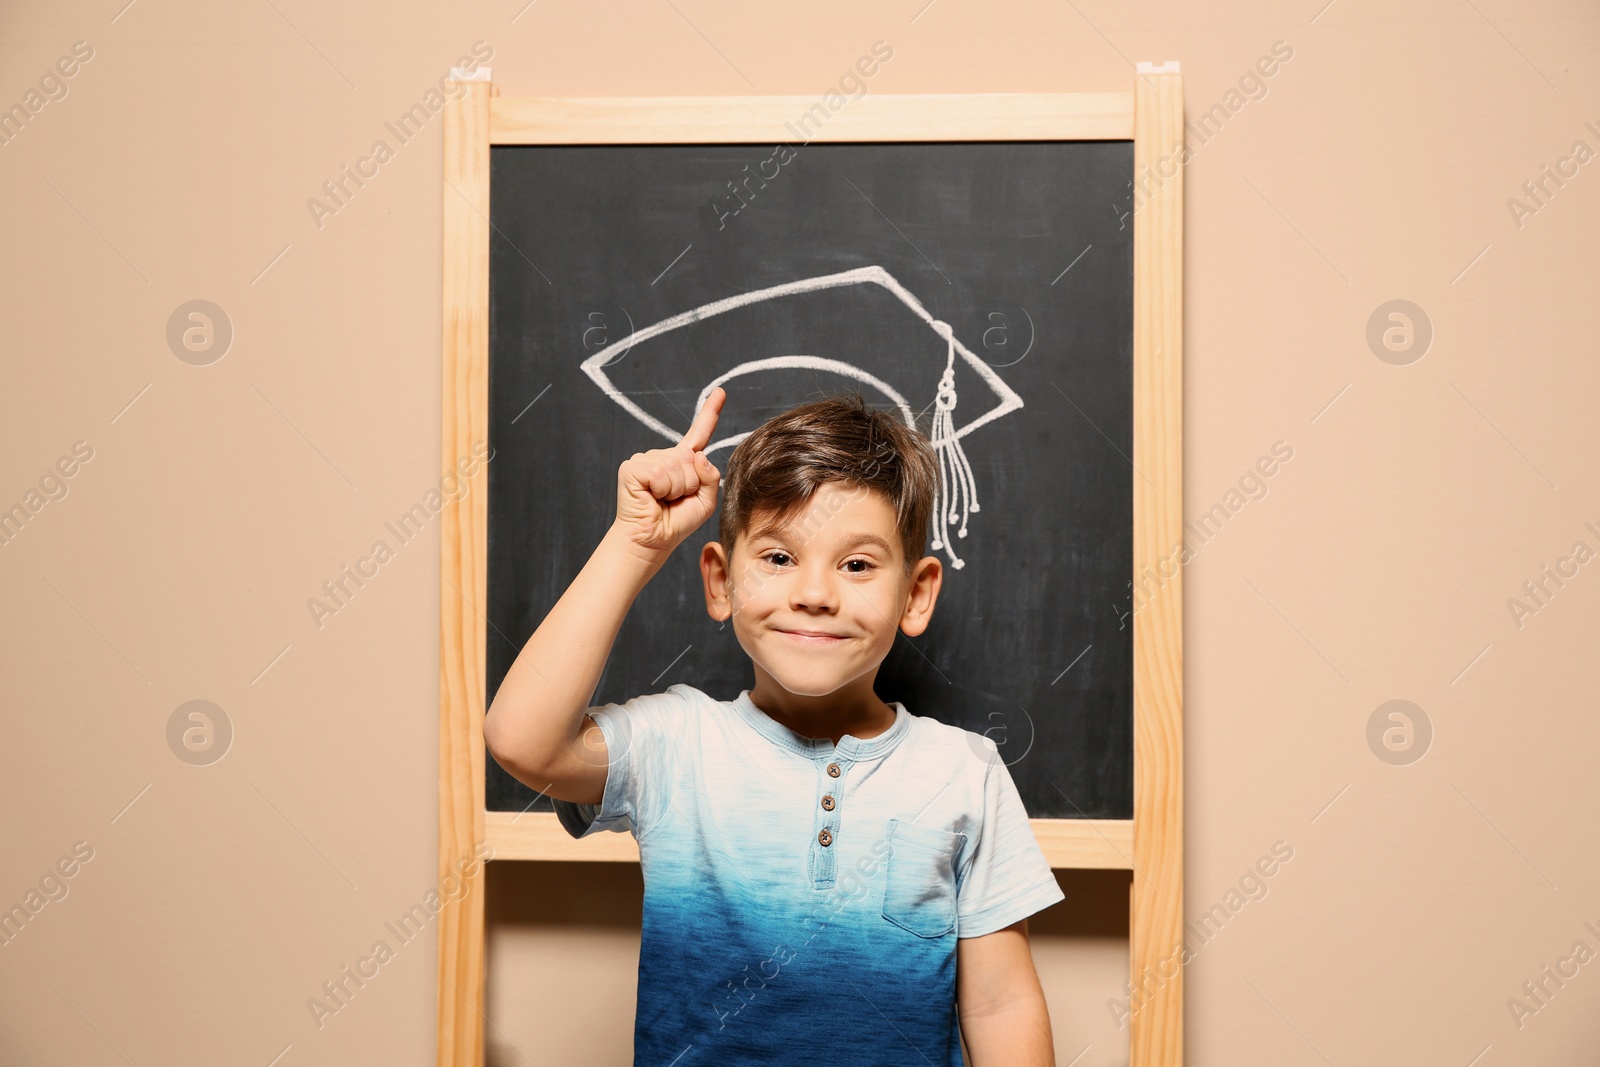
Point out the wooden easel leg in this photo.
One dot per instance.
(461, 973)
(462, 575)
(1156, 904)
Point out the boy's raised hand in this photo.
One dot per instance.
(663, 495)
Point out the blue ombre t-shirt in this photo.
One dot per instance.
(802, 900)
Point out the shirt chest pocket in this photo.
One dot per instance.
(919, 885)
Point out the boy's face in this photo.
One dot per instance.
(837, 569)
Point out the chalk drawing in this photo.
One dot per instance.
(957, 493)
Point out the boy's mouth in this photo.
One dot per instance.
(811, 637)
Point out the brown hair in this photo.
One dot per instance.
(840, 438)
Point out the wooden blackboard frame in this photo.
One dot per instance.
(1151, 843)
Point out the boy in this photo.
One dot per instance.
(829, 879)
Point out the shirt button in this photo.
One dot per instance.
(827, 802)
(824, 838)
(833, 770)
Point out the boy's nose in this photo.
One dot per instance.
(815, 589)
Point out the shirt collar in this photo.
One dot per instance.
(849, 747)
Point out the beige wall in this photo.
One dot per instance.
(218, 499)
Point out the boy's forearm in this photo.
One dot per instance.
(538, 708)
(1017, 1035)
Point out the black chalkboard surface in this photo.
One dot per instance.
(627, 280)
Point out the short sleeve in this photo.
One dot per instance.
(644, 737)
(1006, 877)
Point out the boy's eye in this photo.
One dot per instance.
(778, 559)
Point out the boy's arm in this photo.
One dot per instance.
(1004, 1021)
(536, 727)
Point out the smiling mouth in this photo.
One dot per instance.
(814, 637)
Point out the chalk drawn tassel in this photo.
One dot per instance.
(957, 493)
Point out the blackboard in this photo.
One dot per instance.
(1023, 247)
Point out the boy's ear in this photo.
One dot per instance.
(714, 571)
(927, 575)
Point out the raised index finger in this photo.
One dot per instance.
(705, 421)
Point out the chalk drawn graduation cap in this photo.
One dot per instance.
(783, 339)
